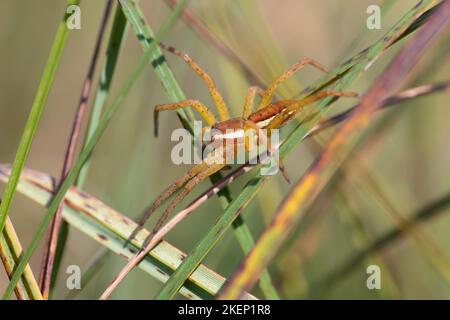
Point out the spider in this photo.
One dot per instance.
(267, 116)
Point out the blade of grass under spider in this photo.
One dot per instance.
(10, 251)
(337, 150)
(112, 229)
(70, 179)
(174, 92)
(344, 74)
(35, 115)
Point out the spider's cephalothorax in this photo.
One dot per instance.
(267, 116)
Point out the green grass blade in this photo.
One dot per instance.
(70, 179)
(143, 33)
(145, 36)
(35, 115)
(345, 75)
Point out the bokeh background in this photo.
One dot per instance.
(401, 167)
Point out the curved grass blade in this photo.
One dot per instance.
(112, 229)
(85, 153)
(343, 76)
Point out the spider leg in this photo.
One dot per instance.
(295, 106)
(222, 108)
(250, 100)
(200, 107)
(208, 171)
(169, 191)
(270, 91)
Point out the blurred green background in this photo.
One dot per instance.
(402, 167)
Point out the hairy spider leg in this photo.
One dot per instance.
(208, 171)
(222, 108)
(270, 91)
(167, 193)
(294, 106)
(250, 100)
(200, 107)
